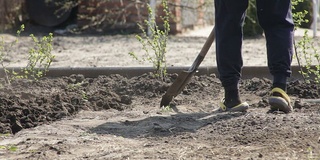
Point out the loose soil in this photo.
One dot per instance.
(116, 117)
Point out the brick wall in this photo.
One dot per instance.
(125, 14)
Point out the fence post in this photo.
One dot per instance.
(152, 4)
(315, 17)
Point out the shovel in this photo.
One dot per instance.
(185, 76)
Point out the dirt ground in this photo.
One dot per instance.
(115, 117)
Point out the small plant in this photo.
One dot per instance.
(157, 41)
(306, 50)
(84, 95)
(308, 56)
(306, 8)
(39, 58)
(311, 154)
(301, 10)
(166, 109)
(11, 148)
(5, 134)
(5, 51)
(77, 87)
(298, 14)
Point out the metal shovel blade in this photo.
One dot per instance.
(178, 85)
(185, 76)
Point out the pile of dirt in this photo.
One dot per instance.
(27, 104)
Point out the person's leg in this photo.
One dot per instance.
(229, 18)
(275, 17)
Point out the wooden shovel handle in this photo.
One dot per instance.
(203, 51)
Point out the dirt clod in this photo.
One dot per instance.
(106, 117)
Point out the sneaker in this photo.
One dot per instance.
(242, 107)
(279, 100)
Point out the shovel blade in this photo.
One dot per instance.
(185, 76)
(178, 85)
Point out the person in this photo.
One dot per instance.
(275, 18)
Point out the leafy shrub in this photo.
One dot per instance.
(304, 6)
(39, 58)
(302, 9)
(157, 41)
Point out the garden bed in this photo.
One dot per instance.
(112, 116)
(75, 117)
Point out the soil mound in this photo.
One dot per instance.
(27, 104)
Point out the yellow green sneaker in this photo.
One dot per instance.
(279, 100)
(242, 107)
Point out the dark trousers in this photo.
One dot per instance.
(275, 17)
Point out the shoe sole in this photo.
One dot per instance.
(278, 103)
(242, 108)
